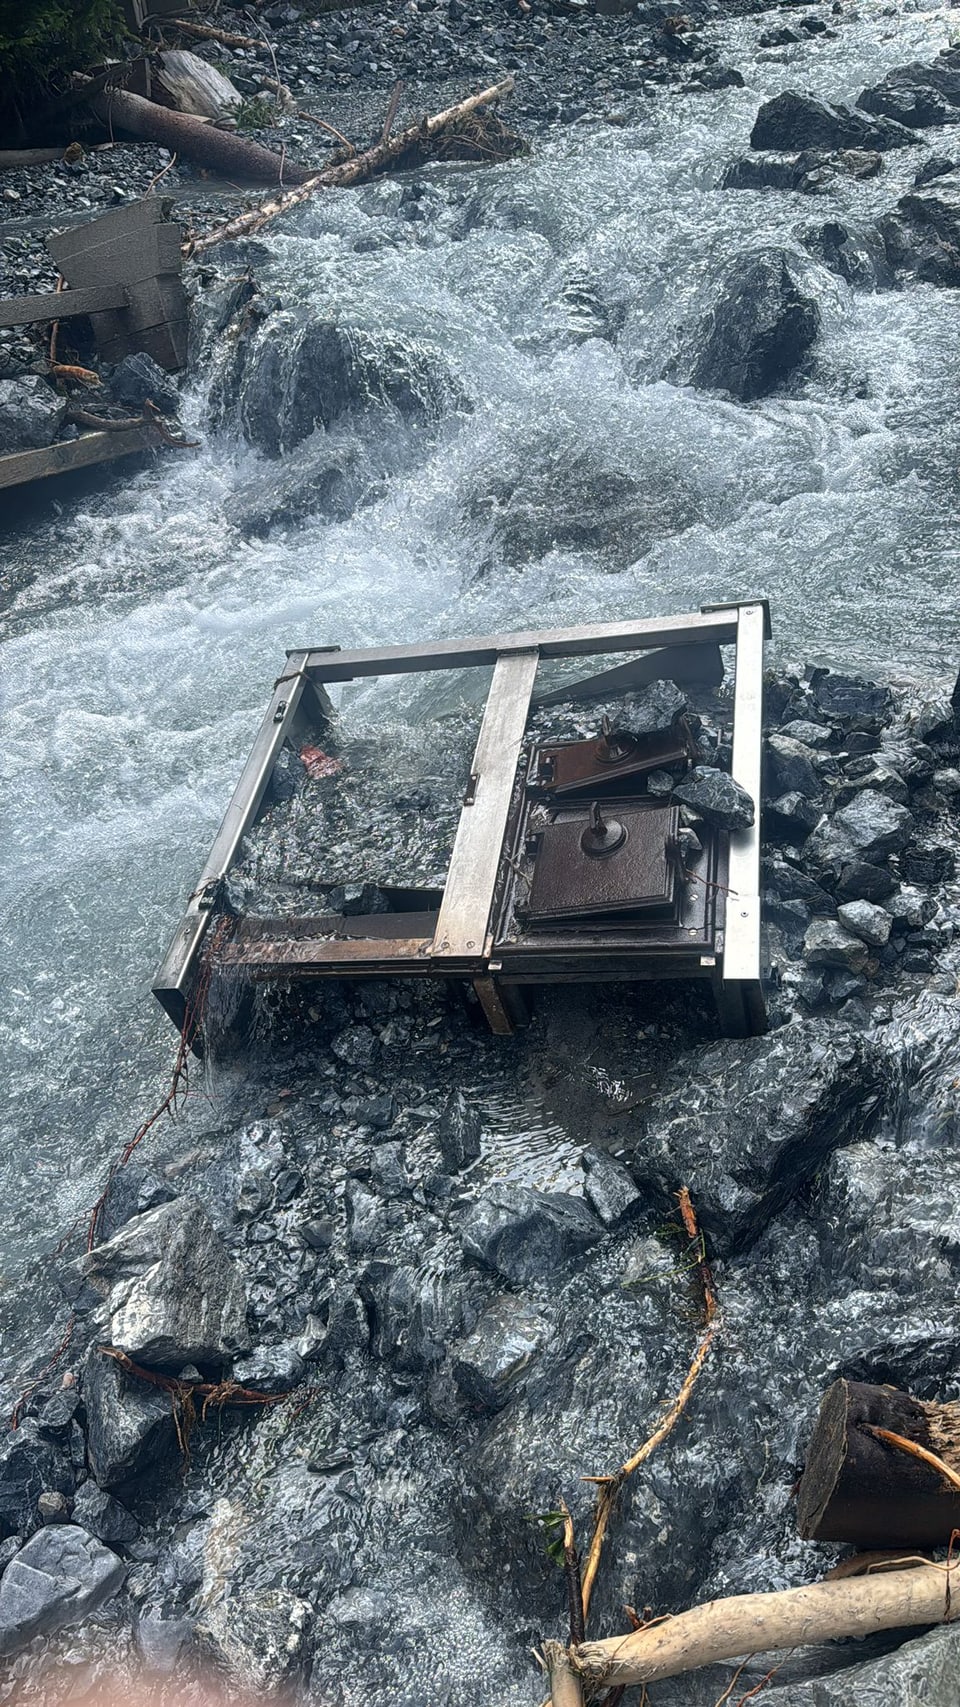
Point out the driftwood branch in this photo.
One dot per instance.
(608, 1487)
(219, 150)
(759, 1623)
(351, 171)
(565, 1686)
(206, 32)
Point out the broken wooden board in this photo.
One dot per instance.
(90, 448)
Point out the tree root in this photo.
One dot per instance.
(184, 1394)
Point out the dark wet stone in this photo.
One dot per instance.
(129, 1424)
(812, 172)
(413, 1313)
(791, 883)
(270, 1369)
(916, 95)
(388, 1170)
(793, 122)
(851, 700)
(878, 775)
(861, 881)
(132, 1191)
(163, 1643)
(31, 414)
(138, 379)
(791, 817)
(928, 865)
(53, 1508)
(828, 943)
(758, 331)
(348, 1328)
(318, 1235)
(366, 1219)
(815, 735)
(355, 1046)
(910, 910)
(29, 1466)
(55, 1421)
(103, 1516)
(923, 1669)
(789, 767)
(174, 1295)
(609, 1187)
(855, 251)
(525, 1234)
(490, 1364)
(873, 924)
(60, 1577)
(653, 710)
(459, 1133)
(750, 1122)
(716, 798)
(379, 1112)
(936, 167)
(922, 234)
(864, 831)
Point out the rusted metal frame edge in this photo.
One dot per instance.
(741, 952)
(474, 867)
(718, 629)
(61, 305)
(172, 981)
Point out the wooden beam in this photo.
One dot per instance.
(60, 305)
(741, 954)
(719, 629)
(475, 860)
(25, 465)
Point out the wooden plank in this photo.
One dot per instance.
(718, 629)
(174, 976)
(475, 860)
(89, 448)
(127, 257)
(741, 954)
(60, 305)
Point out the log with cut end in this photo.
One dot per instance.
(218, 150)
(863, 1483)
(764, 1623)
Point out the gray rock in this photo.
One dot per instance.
(853, 249)
(827, 943)
(919, 95)
(53, 1508)
(909, 910)
(163, 1643)
(459, 1133)
(525, 1234)
(174, 1296)
(413, 1313)
(366, 1219)
(872, 924)
(29, 1466)
(138, 379)
(609, 1187)
(356, 1046)
(129, 1424)
(928, 865)
(924, 1670)
(388, 1170)
(132, 1191)
(101, 1515)
(758, 330)
(716, 798)
(873, 825)
(850, 700)
(792, 816)
(791, 121)
(653, 709)
(947, 782)
(861, 881)
(790, 768)
(881, 777)
(271, 1369)
(31, 414)
(811, 734)
(55, 1421)
(488, 1366)
(751, 1121)
(61, 1576)
(922, 234)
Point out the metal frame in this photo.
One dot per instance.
(462, 943)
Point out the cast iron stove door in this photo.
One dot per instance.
(620, 861)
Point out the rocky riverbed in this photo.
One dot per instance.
(698, 344)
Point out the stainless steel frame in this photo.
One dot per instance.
(462, 944)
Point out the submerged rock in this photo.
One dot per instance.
(609, 1188)
(173, 1294)
(29, 1467)
(792, 122)
(527, 1235)
(61, 1576)
(103, 1516)
(129, 1424)
(489, 1365)
(872, 924)
(758, 330)
(459, 1133)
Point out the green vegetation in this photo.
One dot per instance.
(41, 43)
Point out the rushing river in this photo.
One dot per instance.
(140, 645)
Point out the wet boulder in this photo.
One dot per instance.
(173, 1295)
(745, 1125)
(129, 1423)
(60, 1577)
(288, 378)
(790, 768)
(924, 1669)
(30, 1466)
(138, 380)
(609, 1188)
(809, 173)
(459, 1133)
(758, 330)
(828, 943)
(851, 701)
(488, 1366)
(792, 122)
(922, 234)
(863, 832)
(855, 251)
(101, 1515)
(916, 95)
(928, 865)
(31, 414)
(527, 1235)
(872, 924)
(716, 798)
(413, 1313)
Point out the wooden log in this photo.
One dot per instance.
(352, 171)
(12, 158)
(218, 150)
(565, 1686)
(858, 1486)
(60, 304)
(762, 1623)
(196, 87)
(24, 465)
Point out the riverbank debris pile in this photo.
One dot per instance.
(627, 853)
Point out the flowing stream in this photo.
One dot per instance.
(145, 630)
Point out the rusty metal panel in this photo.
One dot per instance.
(607, 761)
(590, 865)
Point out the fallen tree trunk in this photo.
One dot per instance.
(351, 171)
(11, 158)
(565, 1686)
(759, 1623)
(220, 150)
(882, 1469)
